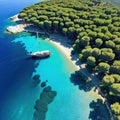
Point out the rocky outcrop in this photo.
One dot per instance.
(16, 29)
(14, 18)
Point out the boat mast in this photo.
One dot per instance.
(37, 36)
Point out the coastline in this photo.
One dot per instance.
(66, 49)
(61, 42)
(56, 39)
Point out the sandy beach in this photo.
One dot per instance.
(61, 43)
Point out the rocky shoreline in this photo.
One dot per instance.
(17, 28)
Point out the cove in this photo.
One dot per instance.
(70, 101)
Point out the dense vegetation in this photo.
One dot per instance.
(94, 28)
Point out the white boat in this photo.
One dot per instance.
(40, 54)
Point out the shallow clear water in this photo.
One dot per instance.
(57, 70)
(17, 95)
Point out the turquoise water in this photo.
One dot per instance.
(70, 101)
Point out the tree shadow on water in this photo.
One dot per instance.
(83, 82)
(98, 111)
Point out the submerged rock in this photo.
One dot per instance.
(43, 84)
(36, 80)
(36, 76)
(47, 89)
(41, 105)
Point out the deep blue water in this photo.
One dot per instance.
(17, 96)
(14, 69)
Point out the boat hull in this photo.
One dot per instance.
(42, 54)
(40, 57)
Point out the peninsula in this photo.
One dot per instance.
(93, 28)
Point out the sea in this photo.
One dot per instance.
(17, 93)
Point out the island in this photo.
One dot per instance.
(93, 27)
